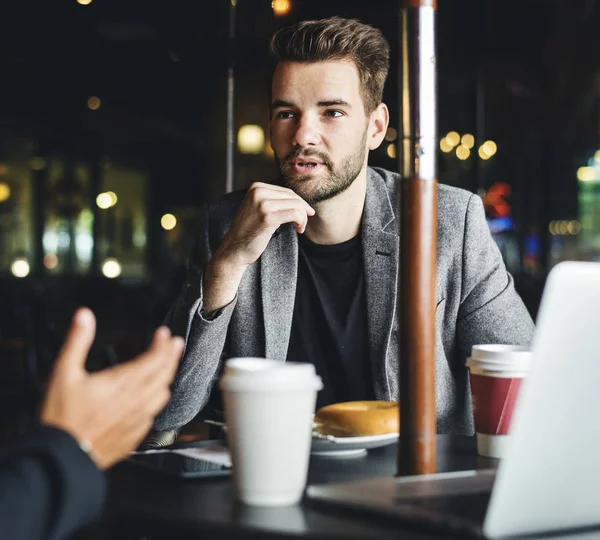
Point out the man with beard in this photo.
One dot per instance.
(305, 268)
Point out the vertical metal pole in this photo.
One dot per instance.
(418, 238)
(480, 128)
(481, 105)
(96, 187)
(230, 96)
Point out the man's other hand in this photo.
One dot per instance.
(265, 208)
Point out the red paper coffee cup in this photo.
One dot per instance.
(496, 375)
(494, 399)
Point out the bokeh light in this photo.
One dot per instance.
(468, 140)
(4, 192)
(168, 222)
(490, 148)
(587, 174)
(251, 139)
(111, 268)
(94, 103)
(106, 200)
(453, 138)
(20, 268)
(462, 152)
(50, 261)
(446, 145)
(391, 134)
(281, 7)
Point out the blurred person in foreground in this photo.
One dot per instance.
(51, 481)
(304, 267)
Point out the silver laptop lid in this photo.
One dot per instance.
(550, 477)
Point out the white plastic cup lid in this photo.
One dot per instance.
(476, 366)
(500, 357)
(498, 352)
(261, 374)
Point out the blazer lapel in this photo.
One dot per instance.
(380, 258)
(278, 274)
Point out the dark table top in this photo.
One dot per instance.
(147, 505)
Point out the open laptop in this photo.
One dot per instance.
(549, 479)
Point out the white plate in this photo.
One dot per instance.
(331, 446)
(349, 446)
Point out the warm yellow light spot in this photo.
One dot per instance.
(251, 139)
(552, 227)
(563, 227)
(281, 7)
(597, 156)
(4, 192)
(468, 140)
(168, 222)
(482, 153)
(391, 151)
(50, 261)
(446, 145)
(20, 268)
(106, 200)
(586, 174)
(490, 148)
(462, 152)
(574, 227)
(391, 134)
(111, 268)
(84, 2)
(94, 103)
(453, 138)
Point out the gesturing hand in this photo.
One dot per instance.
(113, 409)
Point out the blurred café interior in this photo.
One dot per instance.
(118, 120)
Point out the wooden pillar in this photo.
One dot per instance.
(418, 237)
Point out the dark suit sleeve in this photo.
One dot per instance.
(205, 338)
(49, 487)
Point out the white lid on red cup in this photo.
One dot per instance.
(498, 357)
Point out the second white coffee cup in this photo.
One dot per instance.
(269, 407)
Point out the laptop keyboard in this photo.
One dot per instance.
(454, 502)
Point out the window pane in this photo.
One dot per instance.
(68, 241)
(122, 221)
(16, 220)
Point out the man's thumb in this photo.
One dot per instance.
(78, 341)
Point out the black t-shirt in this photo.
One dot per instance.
(329, 326)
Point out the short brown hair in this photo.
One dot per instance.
(338, 39)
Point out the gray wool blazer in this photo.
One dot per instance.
(476, 302)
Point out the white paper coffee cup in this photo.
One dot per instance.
(269, 409)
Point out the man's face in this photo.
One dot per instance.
(319, 127)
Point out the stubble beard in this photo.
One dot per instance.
(335, 180)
